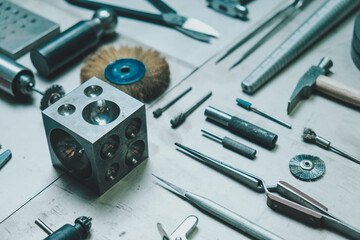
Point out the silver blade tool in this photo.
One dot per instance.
(222, 213)
(316, 26)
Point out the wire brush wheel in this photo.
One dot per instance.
(143, 74)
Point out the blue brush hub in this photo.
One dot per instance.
(125, 71)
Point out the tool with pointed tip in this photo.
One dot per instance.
(179, 119)
(182, 232)
(316, 26)
(79, 231)
(292, 202)
(189, 26)
(5, 156)
(315, 78)
(248, 106)
(310, 136)
(222, 213)
(296, 7)
(19, 82)
(234, 173)
(157, 113)
(242, 128)
(267, 21)
(231, 144)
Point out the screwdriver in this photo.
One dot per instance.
(178, 120)
(157, 113)
(247, 106)
(232, 144)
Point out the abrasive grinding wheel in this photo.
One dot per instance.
(307, 167)
(143, 74)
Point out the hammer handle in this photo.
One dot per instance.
(338, 90)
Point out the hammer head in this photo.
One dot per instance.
(304, 87)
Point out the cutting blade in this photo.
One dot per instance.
(198, 26)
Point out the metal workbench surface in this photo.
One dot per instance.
(31, 188)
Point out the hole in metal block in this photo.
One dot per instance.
(112, 172)
(109, 147)
(101, 112)
(133, 128)
(93, 91)
(66, 109)
(70, 153)
(135, 153)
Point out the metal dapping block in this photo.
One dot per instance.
(97, 134)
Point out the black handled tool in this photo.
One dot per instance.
(178, 120)
(157, 113)
(189, 26)
(242, 128)
(232, 144)
(73, 42)
(79, 231)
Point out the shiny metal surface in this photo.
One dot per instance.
(326, 17)
(33, 188)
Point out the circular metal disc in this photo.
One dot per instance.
(307, 167)
(125, 71)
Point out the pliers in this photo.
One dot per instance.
(291, 201)
(169, 18)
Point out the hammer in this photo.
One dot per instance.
(315, 78)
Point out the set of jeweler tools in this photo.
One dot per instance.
(101, 133)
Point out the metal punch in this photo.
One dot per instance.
(291, 202)
(182, 232)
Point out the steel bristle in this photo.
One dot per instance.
(154, 83)
(309, 135)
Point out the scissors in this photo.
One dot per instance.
(189, 26)
(291, 201)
